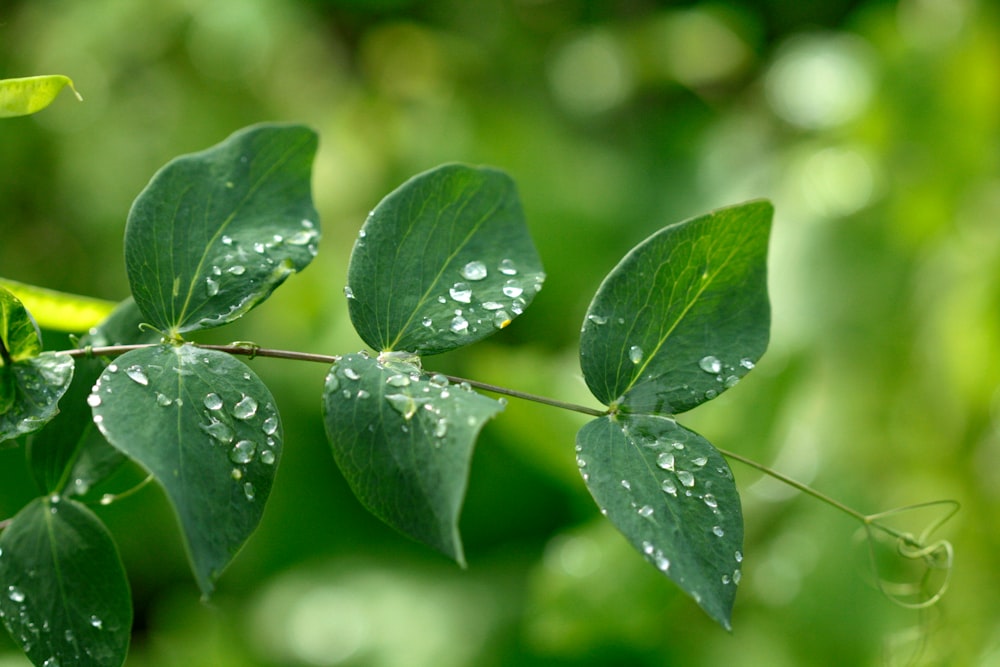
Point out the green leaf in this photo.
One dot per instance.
(215, 232)
(65, 598)
(59, 311)
(206, 428)
(31, 383)
(20, 97)
(672, 495)
(70, 455)
(683, 316)
(404, 442)
(443, 261)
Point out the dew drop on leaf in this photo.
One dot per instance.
(626, 485)
(95, 621)
(459, 324)
(351, 374)
(348, 292)
(440, 428)
(243, 451)
(710, 500)
(717, 531)
(163, 400)
(512, 288)
(427, 321)
(507, 267)
(461, 292)
(245, 408)
(94, 400)
(213, 401)
(686, 478)
(746, 363)
(646, 511)
(397, 380)
(15, 594)
(248, 491)
(710, 364)
(270, 425)
(492, 305)
(237, 269)
(668, 486)
(597, 319)
(474, 271)
(665, 460)
(211, 286)
(635, 354)
(137, 375)
(267, 457)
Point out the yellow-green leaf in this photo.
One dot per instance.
(60, 311)
(20, 97)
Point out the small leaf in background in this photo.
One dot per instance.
(20, 97)
(215, 232)
(403, 440)
(443, 261)
(207, 429)
(65, 598)
(31, 383)
(59, 311)
(70, 455)
(683, 316)
(672, 495)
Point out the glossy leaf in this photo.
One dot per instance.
(206, 428)
(215, 232)
(20, 97)
(672, 495)
(683, 316)
(59, 311)
(70, 455)
(404, 442)
(443, 261)
(31, 383)
(65, 598)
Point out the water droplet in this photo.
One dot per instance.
(348, 292)
(15, 594)
(710, 364)
(440, 428)
(668, 486)
(700, 461)
(427, 321)
(248, 491)
(710, 394)
(213, 402)
(635, 354)
(351, 374)
(461, 292)
(94, 400)
(507, 267)
(403, 404)
(216, 271)
(474, 271)
(645, 511)
(51, 662)
(597, 319)
(363, 393)
(237, 269)
(245, 408)
(258, 248)
(227, 240)
(677, 445)
(492, 305)
(95, 621)
(137, 375)
(747, 363)
(717, 531)
(270, 425)
(459, 324)
(243, 451)
(397, 380)
(439, 380)
(512, 288)
(267, 457)
(710, 500)
(648, 548)
(738, 556)
(626, 485)
(501, 319)
(686, 478)
(236, 474)
(163, 400)
(665, 460)
(731, 381)
(737, 575)
(725, 579)
(517, 306)
(662, 562)
(211, 286)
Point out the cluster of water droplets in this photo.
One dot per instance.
(726, 374)
(246, 429)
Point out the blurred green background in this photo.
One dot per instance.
(875, 128)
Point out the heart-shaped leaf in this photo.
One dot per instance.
(672, 495)
(20, 97)
(65, 598)
(683, 316)
(206, 428)
(443, 261)
(404, 442)
(70, 454)
(31, 383)
(215, 232)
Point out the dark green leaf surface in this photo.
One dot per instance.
(404, 442)
(207, 429)
(673, 497)
(683, 316)
(31, 383)
(70, 455)
(443, 261)
(65, 598)
(215, 232)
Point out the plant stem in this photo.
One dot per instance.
(528, 397)
(5, 523)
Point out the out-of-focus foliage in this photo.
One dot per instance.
(874, 130)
